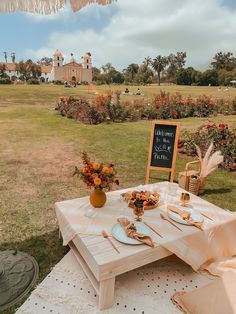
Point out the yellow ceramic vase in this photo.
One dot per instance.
(98, 198)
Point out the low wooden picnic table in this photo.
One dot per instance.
(100, 262)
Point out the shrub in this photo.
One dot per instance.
(109, 107)
(117, 111)
(57, 82)
(92, 115)
(146, 111)
(204, 106)
(234, 106)
(5, 80)
(33, 81)
(224, 139)
(174, 106)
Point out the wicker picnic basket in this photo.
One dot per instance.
(187, 178)
(202, 185)
(194, 184)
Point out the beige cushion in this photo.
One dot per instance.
(218, 297)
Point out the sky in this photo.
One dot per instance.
(125, 32)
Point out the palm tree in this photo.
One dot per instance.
(147, 61)
(159, 64)
(132, 69)
(13, 57)
(5, 56)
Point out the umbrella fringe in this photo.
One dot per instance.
(79, 4)
(33, 6)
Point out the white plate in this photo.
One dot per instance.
(197, 217)
(119, 234)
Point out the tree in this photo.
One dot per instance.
(223, 61)
(145, 74)
(209, 77)
(3, 71)
(131, 71)
(45, 61)
(96, 74)
(176, 62)
(13, 57)
(224, 77)
(159, 64)
(118, 77)
(109, 74)
(5, 56)
(147, 61)
(35, 71)
(28, 70)
(187, 76)
(107, 71)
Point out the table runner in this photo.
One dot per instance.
(212, 249)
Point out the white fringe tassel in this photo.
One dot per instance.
(45, 6)
(79, 4)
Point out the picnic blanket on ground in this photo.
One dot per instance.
(67, 290)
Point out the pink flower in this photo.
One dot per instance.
(223, 142)
(211, 125)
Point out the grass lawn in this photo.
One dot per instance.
(38, 152)
(34, 95)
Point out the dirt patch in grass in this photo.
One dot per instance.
(53, 160)
(51, 163)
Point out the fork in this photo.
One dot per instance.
(106, 236)
(167, 219)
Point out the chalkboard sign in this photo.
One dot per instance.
(163, 147)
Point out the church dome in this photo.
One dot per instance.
(57, 53)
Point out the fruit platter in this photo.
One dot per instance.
(146, 199)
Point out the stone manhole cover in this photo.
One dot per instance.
(18, 274)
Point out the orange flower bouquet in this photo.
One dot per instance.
(96, 175)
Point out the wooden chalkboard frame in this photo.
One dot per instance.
(172, 169)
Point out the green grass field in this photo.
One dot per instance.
(38, 152)
(44, 94)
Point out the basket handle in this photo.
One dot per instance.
(187, 167)
(191, 163)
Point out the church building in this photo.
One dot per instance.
(58, 71)
(71, 71)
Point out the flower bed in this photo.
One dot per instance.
(221, 135)
(109, 107)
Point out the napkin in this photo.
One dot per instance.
(131, 232)
(185, 216)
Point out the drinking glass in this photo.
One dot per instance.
(138, 213)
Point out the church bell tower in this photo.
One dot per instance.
(57, 59)
(87, 61)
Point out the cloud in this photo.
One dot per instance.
(151, 27)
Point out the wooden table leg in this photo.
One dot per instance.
(106, 293)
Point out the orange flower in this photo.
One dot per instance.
(85, 170)
(106, 170)
(96, 165)
(111, 169)
(97, 181)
